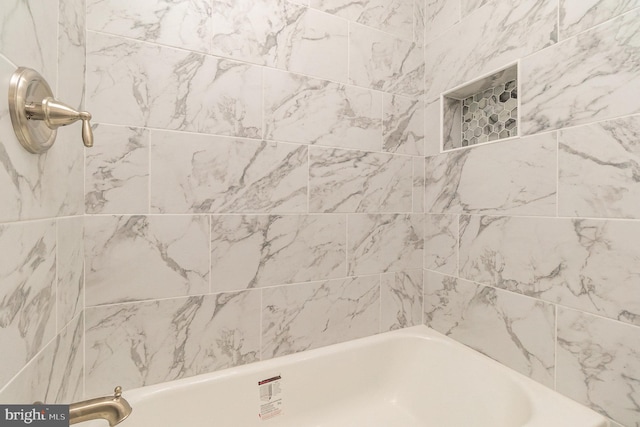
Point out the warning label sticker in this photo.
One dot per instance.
(270, 397)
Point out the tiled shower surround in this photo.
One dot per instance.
(267, 179)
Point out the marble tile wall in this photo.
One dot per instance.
(256, 187)
(530, 247)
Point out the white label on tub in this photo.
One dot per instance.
(270, 397)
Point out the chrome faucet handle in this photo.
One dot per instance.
(36, 115)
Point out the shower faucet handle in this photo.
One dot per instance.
(55, 114)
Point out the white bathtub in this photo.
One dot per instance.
(412, 377)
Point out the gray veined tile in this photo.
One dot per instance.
(432, 128)
(381, 61)
(117, 171)
(583, 264)
(511, 177)
(404, 130)
(311, 315)
(584, 79)
(510, 30)
(201, 173)
(418, 184)
(441, 243)
(440, 15)
(131, 258)
(599, 364)
(516, 331)
(311, 111)
(167, 88)
(28, 292)
(469, 6)
(157, 341)
(265, 250)
(580, 15)
(383, 243)
(359, 181)
(71, 52)
(598, 167)
(391, 16)
(185, 24)
(70, 265)
(281, 34)
(400, 300)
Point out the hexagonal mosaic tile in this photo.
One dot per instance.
(490, 115)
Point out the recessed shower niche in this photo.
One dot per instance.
(484, 110)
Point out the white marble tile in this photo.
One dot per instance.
(432, 128)
(403, 121)
(599, 364)
(281, 34)
(310, 111)
(384, 243)
(140, 84)
(598, 166)
(27, 35)
(28, 292)
(266, 250)
(71, 53)
(400, 300)
(200, 173)
(359, 181)
(516, 331)
(311, 315)
(440, 16)
(70, 267)
(381, 61)
(441, 243)
(55, 375)
(156, 341)
(490, 38)
(469, 6)
(583, 79)
(418, 185)
(514, 177)
(583, 264)
(391, 16)
(117, 171)
(130, 258)
(185, 24)
(579, 15)
(419, 21)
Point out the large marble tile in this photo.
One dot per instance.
(140, 84)
(432, 128)
(381, 61)
(28, 292)
(55, 375)
(492, 37)
(598, 170)
(418, 184)
(583, 79)
(511, 177)
(391, 16)
(440, 15)
(130, 258)
(579, 15)
(185, 24)
(583, 264)
(384, 243)
(419, 21)
(516, 331)
(599, 364)
(311, 111)
(156, 341)
(28, 35)
(400, 300)
(266, 250)
(359, 181)
(311, 315)
(200, 173)
(441, 243)
(469, 6)
(281, 34)
(71, 53)
(403, 121)
(117, 171)
(70, 268)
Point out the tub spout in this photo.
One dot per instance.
(114, 409)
